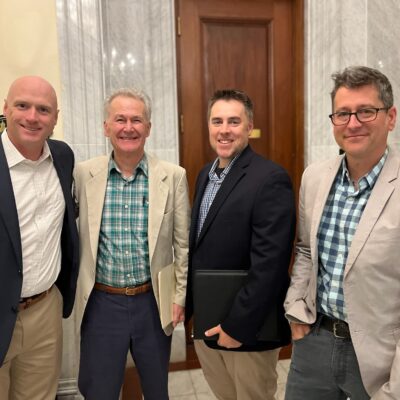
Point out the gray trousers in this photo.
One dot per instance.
(324, 368)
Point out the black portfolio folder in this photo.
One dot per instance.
(213, 293)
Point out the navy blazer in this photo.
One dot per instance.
(11, 269)
(250, 225)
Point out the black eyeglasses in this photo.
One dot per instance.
(362, 115)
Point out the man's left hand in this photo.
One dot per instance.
(178, 314)
(224, 340)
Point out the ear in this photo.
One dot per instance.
(392, 115)
(105, 129)
(149, 129)
(250, 127)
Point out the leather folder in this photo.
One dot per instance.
(214, 292)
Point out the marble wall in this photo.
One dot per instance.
(338, 34)
(109, 44)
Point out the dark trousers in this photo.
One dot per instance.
(324, 367)
(112, 325)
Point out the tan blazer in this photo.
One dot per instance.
(168, 224)
(371, 277)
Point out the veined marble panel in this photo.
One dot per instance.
(79, 28)
(139, 50)
(339, 34)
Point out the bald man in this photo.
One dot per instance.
(38, 242)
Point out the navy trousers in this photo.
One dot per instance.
(112, 325)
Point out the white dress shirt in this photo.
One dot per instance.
(40, 206)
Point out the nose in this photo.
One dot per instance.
(354, 122)
(224, 127)
(31, 114)
(128, 126)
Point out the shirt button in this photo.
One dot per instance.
(127, 253)
(126, 205)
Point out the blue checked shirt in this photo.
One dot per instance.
(123, 252)
(211, 190)
(340, 218)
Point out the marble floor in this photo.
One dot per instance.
(191, 385)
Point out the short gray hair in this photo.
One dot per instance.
(133, 93)
(357, 76)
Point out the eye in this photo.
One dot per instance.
(234, 121)
(366, 112)
(21, 106)
(43, 110)
(216, 122)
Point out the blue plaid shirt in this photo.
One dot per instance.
(339, 221)
(123, 251)
(211, 190)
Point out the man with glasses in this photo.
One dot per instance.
(344, 297)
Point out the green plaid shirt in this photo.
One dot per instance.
(123, 252)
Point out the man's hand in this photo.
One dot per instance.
(178, 314)
(224, 340)
(299, 330)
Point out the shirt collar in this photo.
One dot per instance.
(143, 166)
(212, 174)
(14, 157)
(371, 177)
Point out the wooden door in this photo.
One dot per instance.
(252, 45)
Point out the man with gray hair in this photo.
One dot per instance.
(343, 301)
(133, 224)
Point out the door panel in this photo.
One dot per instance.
(252, 45)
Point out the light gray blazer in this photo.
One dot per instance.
(371, 276)
(168, 225)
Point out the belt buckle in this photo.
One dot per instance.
(130, 291)
(335, 325)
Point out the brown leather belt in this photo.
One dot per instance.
(128, 291)
(339, 328)
(26, 302)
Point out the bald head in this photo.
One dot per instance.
(31, 113)
(33, 84)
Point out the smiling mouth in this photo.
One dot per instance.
(225, 141)
(128, 138)
(30, 129)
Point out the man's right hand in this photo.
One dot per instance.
(299, 330)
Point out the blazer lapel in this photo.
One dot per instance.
(381, 193)
(158, 196)
(65, 181)
(229, 183)
(95, 193)
(200, 187)
(8, 209)
(319, 204)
